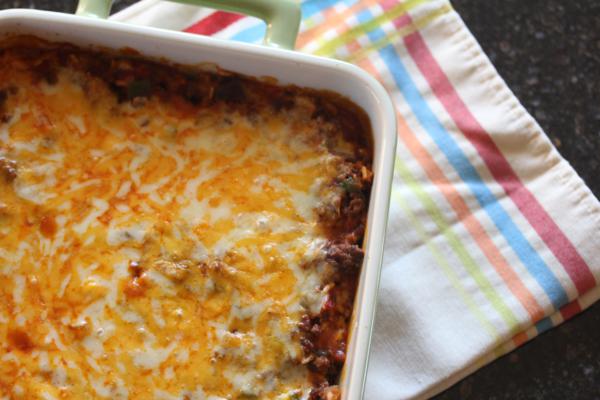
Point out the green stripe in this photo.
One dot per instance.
(400, 33)
(446, 268)
(328, 48)
(455, 243)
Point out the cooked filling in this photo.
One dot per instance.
(173, 233)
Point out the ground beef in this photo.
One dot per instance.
(325, 392)
(344, 256)
(8, 169)
(324, 336)
(345, 213)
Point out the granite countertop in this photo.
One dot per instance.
(548, 51)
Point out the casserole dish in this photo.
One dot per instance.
(288, 68)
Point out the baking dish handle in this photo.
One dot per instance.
(281, 16)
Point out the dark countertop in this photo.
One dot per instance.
(548, 51)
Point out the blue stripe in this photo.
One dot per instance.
(373, 35)
(526, 253)
(312, 7)
(543, 325)
(254, 34)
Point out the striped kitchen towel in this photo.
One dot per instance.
(492, 235)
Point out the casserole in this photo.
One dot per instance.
(287, 68)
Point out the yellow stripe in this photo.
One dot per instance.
(446, 268)
(404, 31)
(455, 243)
(328, 48)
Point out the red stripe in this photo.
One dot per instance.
(214, 23)
(570, 310)
(402, 21)
(499, 167)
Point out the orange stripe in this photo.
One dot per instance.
(460, 207)
(520, 338)
(332, 18)
(353, 46)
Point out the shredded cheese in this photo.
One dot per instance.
(142, 264)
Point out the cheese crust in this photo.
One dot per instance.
(171, 232)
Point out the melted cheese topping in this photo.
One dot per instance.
(148, 252)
